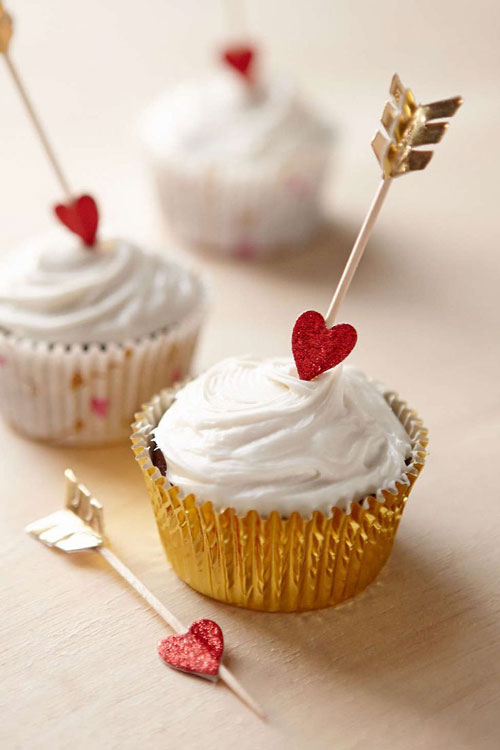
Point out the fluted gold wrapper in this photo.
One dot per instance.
(276, 564)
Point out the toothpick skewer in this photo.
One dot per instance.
(80, 527)
(225, 675)
(141, 589)
(357, 251)
(234, 15)
(407, 125)
(5, 36)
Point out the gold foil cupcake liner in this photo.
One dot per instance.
(277, 564)
(87, 395)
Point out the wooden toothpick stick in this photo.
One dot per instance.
(407, 125)
(225, 675)
(79, 527)
(234, 17)
(167, 616)
(357, 251)
(6, 28)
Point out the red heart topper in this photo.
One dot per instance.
(199, 651)
(81, 217)
(240, 57)
(317, 348)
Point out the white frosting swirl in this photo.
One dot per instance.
(60, 291)
(249, 434)
(211, 121)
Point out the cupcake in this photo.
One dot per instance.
(276, 493)
(87, 333)
(239, 164)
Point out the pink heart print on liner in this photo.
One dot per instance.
(99, 406)
(177, 375)
(245, 250)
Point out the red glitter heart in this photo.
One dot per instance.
(81, 217)
(199, 651)
(240, 58)
(317, 348)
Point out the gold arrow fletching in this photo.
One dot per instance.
(79, 526)
(445, 108)
(429, 133)
(417, 160)
(407, 125)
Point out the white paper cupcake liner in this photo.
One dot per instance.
(87, 395)
(246, 215)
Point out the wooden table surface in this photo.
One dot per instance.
(412, 663)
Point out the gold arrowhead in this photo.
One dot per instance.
(408, 125)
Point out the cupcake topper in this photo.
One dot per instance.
(408, 125)
(80, 527)
(80, 215)
(240, 57)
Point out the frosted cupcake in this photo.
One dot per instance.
(276, 493)
(239, 166)
(88, 333)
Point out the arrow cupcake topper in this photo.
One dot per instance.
(409, 125)
(78, 214)
(315, 345)
(79, 527)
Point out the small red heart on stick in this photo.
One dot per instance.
(81, 217)
(240, 58)
(317, 348)
(199, 651)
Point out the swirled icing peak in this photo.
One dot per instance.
(208, 121)
(249, 434)
(59, 291)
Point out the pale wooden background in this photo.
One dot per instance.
(414, 662)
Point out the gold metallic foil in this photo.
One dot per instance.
(409, 125)
(79, 526)
(276, 564)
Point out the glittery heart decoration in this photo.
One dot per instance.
(240, 58)
(317, 348)
(81, 217)
(199, 651)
